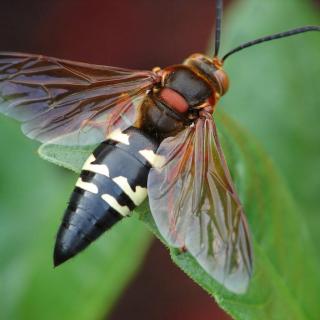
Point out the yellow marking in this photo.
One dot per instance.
(155, 160)
(97, 168)
(136, 196)
(118, 135)
(123, 210)
(88, 186)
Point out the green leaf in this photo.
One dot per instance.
(274, 91)
(33, 197)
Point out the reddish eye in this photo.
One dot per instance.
(174, 100)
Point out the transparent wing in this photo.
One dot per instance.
(195, 205)
(69, 102)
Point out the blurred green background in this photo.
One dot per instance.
(274, 94)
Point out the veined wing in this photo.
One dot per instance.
(69, 102)
(195, 206)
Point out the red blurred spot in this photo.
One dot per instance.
(162, 291)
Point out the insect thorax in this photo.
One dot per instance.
(158, 119)
(177, 101)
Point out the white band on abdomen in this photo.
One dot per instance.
(88, 186)
(96, 168)
(154, 159)
(123, 210)
(118, 135)
(136, 196)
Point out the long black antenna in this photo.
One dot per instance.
(271, 37)
(219, 5)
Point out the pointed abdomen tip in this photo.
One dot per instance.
(61, 255)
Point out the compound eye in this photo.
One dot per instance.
(222, 80)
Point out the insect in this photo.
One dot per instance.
(157, 138)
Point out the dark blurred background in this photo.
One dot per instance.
(135, 34)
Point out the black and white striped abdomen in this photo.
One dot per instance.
(112, 183)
